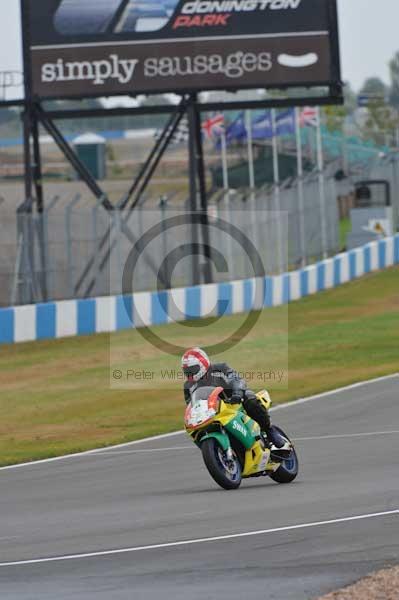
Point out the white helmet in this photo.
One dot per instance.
(195, 364)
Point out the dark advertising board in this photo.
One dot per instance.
(77, 48)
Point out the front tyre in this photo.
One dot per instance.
(224, 470)
(288, 471)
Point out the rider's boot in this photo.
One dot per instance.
(278, 445)
(257, 411)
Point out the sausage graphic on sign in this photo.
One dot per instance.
(298, 62)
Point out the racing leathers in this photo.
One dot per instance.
(235, 388)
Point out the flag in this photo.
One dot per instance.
(262, 127)
(213, 126)
(237, 129)
(234, 132)
(180, 135)
(308, 117)
(285, 122)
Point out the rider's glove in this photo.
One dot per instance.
(236, 397)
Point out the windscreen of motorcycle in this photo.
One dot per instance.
(200, 410)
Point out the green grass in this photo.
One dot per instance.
(56, 396)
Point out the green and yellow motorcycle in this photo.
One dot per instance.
(232, 444)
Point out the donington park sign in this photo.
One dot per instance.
(77, 48)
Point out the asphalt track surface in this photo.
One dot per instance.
(158, 492)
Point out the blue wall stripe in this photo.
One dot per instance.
(286, 289)
(86, 316)
(159, 308)
(249, 299)
(321, 277)
(225, 299)
(193, 303)
(45, 321)
(7, 325)
(382, 254)
(124, 312)
(367, 259)
(304, 275)
(269, 287)
(396, 252)
(337, 271)
(352, 264)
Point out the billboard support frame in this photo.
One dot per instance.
(203, 197)
(145, 174)
(193, 190)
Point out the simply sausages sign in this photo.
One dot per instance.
(76, 48)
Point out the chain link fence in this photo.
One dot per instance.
(78, 250)
(72, 251)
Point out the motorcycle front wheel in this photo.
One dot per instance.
(224, 470)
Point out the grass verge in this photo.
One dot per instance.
(56, 397)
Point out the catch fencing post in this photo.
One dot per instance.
(276, 193)
(322, 191)
(301, 200)
(69, 242)
(96, 264)
(163, 204)
(47, 254)
(46, 251)
(251, 170)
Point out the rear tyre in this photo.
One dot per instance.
(288, 471)
(226, 472)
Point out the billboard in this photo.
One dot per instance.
(76, 48)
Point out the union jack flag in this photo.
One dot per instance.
(213, 126)
(309, 117)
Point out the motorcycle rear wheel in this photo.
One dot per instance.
(226, 472)
(288, 471)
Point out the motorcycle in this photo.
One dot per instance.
(232, 444)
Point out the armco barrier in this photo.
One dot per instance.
(106, 314)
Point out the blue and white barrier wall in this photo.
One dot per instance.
(114, 313)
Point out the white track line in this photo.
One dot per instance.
(345, 435)
(174, 433)
(340, 390)
(297, 439)
(219, 538)
(146, 450)
(33, 463)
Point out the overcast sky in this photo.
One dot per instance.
(369, 37)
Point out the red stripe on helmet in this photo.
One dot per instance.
(205, 362)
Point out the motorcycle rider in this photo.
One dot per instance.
(200, 372)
